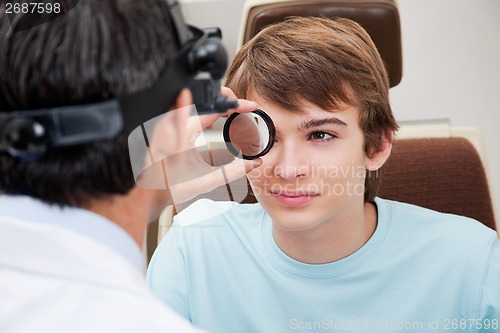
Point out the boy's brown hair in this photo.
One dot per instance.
(330, 63)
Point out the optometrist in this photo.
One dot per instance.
(78, 90)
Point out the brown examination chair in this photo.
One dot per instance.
(444, 174)
(380, 18)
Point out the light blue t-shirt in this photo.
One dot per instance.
(421, 271)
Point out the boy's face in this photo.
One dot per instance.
(315, 172)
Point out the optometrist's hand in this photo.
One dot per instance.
(178, 165)
(189, 175)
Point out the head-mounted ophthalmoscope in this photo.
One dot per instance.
(27, 134)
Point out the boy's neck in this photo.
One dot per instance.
(331, 241)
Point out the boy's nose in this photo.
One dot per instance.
(290, 163)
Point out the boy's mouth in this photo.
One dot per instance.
(293, 198)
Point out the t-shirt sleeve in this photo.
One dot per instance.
(166, 274)
(490, 300)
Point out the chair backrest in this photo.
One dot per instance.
(380, 18)
(443, 174)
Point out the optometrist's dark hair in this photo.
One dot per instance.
(98, 50)
(330, 63)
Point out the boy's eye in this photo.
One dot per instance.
(321, 136)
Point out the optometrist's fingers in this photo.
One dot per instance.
(197, 178)
(244, 105)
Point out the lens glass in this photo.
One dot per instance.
(249, 135)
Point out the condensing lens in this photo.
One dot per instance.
(249, 135)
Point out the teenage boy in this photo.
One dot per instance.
(319, 251)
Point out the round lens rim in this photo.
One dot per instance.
(270, 127)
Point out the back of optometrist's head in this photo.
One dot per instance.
(97, 50)
(329, 63)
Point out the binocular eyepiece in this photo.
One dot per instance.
(210, 58)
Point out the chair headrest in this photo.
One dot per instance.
(380, 18)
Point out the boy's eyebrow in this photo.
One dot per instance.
(307, 124)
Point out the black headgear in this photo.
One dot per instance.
(27, 134)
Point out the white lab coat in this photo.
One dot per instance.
(56, 280)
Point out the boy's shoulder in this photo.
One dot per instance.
(411, 220)
(418, 214)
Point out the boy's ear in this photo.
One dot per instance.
(379, 157)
